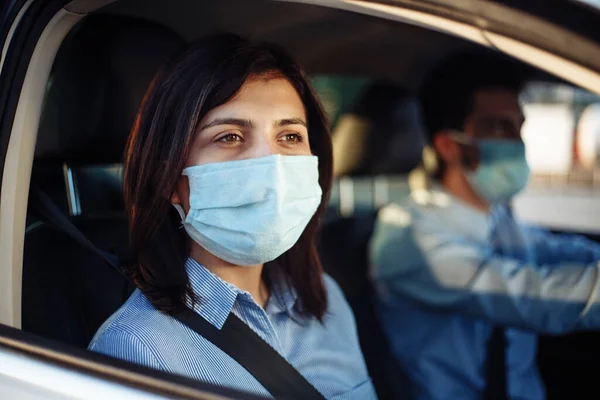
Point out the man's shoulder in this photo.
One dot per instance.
(418, 207)
(403, 227)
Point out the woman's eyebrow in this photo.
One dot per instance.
(290, 121)
(245, 123)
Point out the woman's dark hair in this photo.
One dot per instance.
(201, 77)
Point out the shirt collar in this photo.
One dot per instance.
(470, 221)
(283, 296)
(216, 297)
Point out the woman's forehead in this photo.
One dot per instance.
(274, 98)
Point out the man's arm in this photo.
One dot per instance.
(436, 268)
(555, 249)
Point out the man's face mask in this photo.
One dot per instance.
(249, 212)
(501, 167)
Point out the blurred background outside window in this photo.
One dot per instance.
(562, 133)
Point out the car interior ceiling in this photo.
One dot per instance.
(323, 40)
(96, 85)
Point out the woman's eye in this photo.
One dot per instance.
(230, 138)
(292, 138)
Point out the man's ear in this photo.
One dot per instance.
(447, 149)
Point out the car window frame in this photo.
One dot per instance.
(18, 55)
(111, 370)
(32, 21)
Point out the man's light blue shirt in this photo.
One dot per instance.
(327, 354)
(445, 274)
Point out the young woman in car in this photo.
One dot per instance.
(227, 174)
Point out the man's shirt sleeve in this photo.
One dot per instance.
(560, 248)
(421, 260)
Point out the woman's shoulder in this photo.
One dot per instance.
(337, 305)
(129, 333)
(342, 346)
(334, 292)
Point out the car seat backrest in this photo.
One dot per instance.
(390, 118)
(386, 123)
(97, 83)
(98, 80)
(365, 194)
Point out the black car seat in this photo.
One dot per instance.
(96, 85)
(393, 147)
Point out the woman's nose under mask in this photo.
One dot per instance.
(249, 212)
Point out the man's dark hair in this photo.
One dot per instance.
(447, 93)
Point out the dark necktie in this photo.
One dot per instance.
(496, 366)
(495, 363)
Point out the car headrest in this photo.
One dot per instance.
(392, 134)
(97, 83)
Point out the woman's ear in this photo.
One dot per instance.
(181, 194)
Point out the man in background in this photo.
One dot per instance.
(463, 289)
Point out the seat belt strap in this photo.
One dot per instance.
(262, 361)
(236, 338)
(51, 215)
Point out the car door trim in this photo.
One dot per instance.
(22, 123)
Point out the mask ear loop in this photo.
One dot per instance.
(430, 160)
(462, 138)
(469, 147)
(181, 213)
(430, 163)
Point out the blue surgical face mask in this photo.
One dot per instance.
(249, 212)
(502, 172)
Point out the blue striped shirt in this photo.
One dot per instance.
(327, 354)
(446, 274)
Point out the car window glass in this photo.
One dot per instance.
(562, 134)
